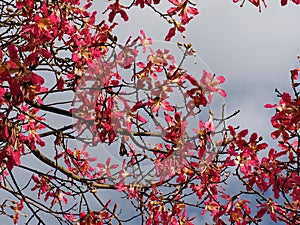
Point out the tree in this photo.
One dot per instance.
(84, 116)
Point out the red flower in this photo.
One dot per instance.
(104, 170)
(286, 118)
(284, 2)
(270, 207)
(25, 81)
(10, 157)
(197, 95)
(295, 73)
(184, 9)
(143, 2)
(157, 102)
(144, 40)
(210, 85)
(116, 8)
(26, 5)
(19, 206)
(59, 196)
(172, 31)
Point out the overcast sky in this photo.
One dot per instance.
(253, 50)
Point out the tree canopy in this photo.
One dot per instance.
(96, 131)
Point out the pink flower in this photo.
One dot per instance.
(157, 102)
(115, 9)
(184, 8)
(171, 33)
(210, 85)
(105, 169)
(143, 2)
(271, 207)
(144, 40)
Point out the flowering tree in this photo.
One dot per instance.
(84, 116)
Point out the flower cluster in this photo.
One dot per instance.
(82, 112)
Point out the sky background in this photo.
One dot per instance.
(254, 51)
